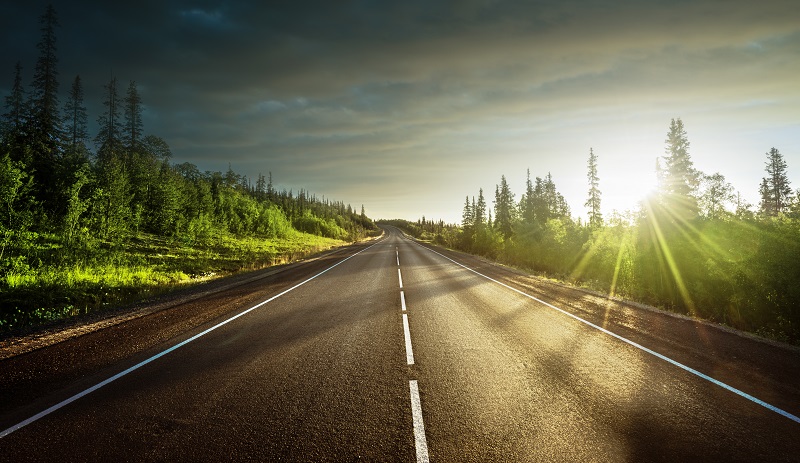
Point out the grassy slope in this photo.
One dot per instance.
(145, 266)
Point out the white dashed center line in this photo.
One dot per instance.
(420, 442)
(407, 334)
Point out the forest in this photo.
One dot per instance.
(692, 247)
(82, 229)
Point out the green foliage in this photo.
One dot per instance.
(43, 279)
(80, 230)
(15, 185)
(719, 266)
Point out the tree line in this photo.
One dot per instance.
(53, 184)
(693, 246)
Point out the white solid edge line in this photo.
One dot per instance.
(407, 336)
(163, 353)
(420, 443)
(403, 300)
(634, 344)
(400, 278)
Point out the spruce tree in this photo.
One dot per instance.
(526, 208)
(775, 189)
(44, 122)
(593, 202)
(261, 187)
(504, 208)
(12, 126)
(75, 118)
(467, 216)
(554, 203)
(679, 179)
(44, 134)
(108, 138)
(480, 211)
(133, 118)
(14, 117)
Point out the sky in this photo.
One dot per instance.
(408, 107)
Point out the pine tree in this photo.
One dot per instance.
(76, 174)
(480, 211)
(554, 203)
(44, 133)
(680, 180)
(261, 187)
(526, 204)
(12, 128)
(593, 202)
(108, 139)
(775, 189)
(504, 208)
(270, 188)
(75, 118)
(467, 216)
(133, 118)
(14, 117)
(44, 123)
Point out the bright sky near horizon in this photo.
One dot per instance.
(408, 107)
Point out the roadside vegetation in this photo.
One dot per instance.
(84, 229)
(692, 247)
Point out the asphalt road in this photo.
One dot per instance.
(392, 351)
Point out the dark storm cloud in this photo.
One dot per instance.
(320, 89)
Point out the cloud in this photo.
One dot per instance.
(322, 90)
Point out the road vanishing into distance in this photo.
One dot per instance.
(392, 350)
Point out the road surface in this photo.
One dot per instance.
(398, 351)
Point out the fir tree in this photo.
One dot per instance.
(467, 215)
(504, 208)
(44, 123)
(44, 134)
(526, 204)
(14, 117)
(133, 118)
(108, 138)
(480, 211)
(75, 118)
(679, 179)
(775, 189)
(593, 202)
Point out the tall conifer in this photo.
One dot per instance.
(593, 202)
(775, 189)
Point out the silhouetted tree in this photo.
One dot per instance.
(526, 203)
(14, 116)
(44, 121)
(775, 189)
(480, 211)
(593, 202)
(12, 129)
(108, 140)
(75, 118)
(133, 118)
(679, 180)
(505, 212)
(44, 124)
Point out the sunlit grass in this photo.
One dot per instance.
(76, 282)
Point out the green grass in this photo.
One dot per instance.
(51, 282)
